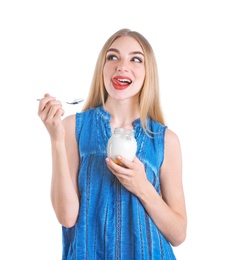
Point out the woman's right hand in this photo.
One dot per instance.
(50, 112)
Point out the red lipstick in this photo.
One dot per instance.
(121, 82)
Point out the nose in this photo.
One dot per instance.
(122, 66)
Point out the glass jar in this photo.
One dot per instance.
(122, 143)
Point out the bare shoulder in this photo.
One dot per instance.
(171, 138)
(172, 148)
(69, 120)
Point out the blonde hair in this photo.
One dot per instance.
(149, 100)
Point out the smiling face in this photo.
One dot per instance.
(124, 69)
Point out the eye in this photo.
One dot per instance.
(111, 57)
(136, 59)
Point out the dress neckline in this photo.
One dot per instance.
(107, 116)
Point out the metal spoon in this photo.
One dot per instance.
(74, 102)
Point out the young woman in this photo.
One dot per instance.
(135, 210)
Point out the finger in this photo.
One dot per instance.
(136, 160)
(59, 113)
(56, 118)
(124, 162)
(53, 109)
(115, 168)
(50, 109)
(43, 103)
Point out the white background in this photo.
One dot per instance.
(52, 46)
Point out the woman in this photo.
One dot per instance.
(109, 211)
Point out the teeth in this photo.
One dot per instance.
(124, 80)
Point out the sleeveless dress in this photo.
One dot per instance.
(112, 223)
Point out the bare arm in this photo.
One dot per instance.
(167, 211)
(64, 190)
(65, 161)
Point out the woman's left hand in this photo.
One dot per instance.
(131, 175)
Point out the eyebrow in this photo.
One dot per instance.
(131, 53)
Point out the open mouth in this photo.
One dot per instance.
(121, 82)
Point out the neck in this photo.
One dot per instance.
(123, 113)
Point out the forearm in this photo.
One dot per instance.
(171, 224)
(64, 195)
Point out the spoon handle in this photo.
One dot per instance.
(74, 102)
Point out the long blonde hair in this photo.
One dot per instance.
(149, 100)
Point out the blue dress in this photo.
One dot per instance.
(112, 223)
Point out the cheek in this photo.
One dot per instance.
(107, 74)
(106, 71)
(104, 75)
(142, 76)
(140, 80)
